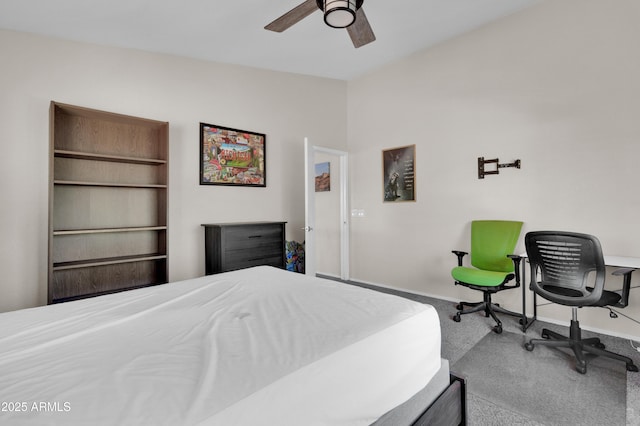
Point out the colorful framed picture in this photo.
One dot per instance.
(232, 157)
(399, 173)
(323, 177)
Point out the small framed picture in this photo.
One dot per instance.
(323, 177)
(232, 157)
(399, 174)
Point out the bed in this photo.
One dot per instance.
(259, 346)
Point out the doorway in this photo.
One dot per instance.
(320, 242)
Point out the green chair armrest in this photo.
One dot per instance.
(516, 267)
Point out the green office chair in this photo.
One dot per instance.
(568, 268)
(493, 266)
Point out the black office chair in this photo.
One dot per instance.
(568, 268)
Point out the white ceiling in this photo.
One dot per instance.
(233, 31)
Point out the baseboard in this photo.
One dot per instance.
(398, 289)
(328, 276)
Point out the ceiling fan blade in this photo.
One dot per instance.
(293, 16)
(360, 31)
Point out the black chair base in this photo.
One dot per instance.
(489, 309)
(579, 346)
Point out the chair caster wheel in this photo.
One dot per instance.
(528, 346)
(632, 367)
(582, 369)
(544, 334)
(599, 345)
(456, 317)
(497, 329)
(459, 306)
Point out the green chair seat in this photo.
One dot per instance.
(479, 277)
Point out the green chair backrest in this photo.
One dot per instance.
(491, 242)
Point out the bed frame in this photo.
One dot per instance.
(450, 408)
(442, 402)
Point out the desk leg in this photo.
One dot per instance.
(524, 321)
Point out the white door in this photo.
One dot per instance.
(310, 209)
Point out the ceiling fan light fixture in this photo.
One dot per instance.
(339, 13)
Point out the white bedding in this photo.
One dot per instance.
(260, 346)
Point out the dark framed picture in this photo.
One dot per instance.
(232, 157)
(399, 173)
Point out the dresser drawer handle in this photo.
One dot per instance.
(255, 236)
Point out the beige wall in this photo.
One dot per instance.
(556, 86)
(36, 70)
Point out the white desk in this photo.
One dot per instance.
(629, 264)
(622, 261)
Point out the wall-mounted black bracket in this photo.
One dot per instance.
(482, 172)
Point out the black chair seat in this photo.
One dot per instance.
(608, 298)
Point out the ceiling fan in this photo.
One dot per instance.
(337, 14)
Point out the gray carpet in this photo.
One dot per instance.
(533, 388)
(542, 384)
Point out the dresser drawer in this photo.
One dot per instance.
(250, 237)
(231, 263)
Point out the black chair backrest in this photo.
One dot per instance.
(566, 262)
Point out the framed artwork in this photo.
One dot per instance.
(323, 177)
(399, 173)
(232, 157)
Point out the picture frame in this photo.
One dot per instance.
(323, 177)
(232, 157)
(399, 174)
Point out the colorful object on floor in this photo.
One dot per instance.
(295, 256)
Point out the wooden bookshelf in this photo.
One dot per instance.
(107, 202)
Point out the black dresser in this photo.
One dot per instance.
(230, 246)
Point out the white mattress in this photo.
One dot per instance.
(260, 346)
